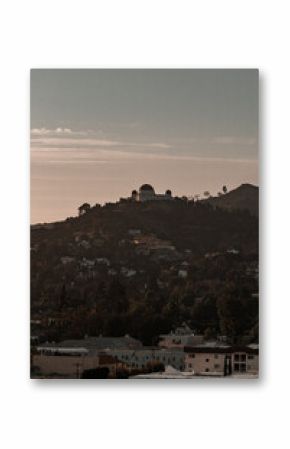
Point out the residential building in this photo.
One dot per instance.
(141, 358)
(70, 362)
(182, 336)
(222, 359)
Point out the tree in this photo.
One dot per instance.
(225, 189)
(96, 373)
(84, 208)
(62, 296)
(206, 193)
(196, 196)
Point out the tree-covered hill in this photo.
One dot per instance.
(143, 268)
(245, 197)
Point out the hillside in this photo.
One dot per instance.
(143, 268)
(244, 197)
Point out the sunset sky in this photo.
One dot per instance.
(98, 134)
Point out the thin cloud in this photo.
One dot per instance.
(120, 155)
(59, 132)
(63, 138)
(234, 140)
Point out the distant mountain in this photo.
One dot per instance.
(245, 197)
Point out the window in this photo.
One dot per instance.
(206, 370)
(216, 366)
(216, 356)
(190, 365)
(207, 360)
(240, 357)
(250, 357)
(242, 367)
(192, 356)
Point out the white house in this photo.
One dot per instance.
(182, 336)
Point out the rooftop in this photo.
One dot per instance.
(97, 343)
(146, 188)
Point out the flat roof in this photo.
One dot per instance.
(222, 349)
(62, 350)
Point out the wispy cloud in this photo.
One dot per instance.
(62, 138)
(50, 132)
(234, 140)
(68, 146)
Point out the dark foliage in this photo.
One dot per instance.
(72, 298)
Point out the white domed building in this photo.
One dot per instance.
(147, 193)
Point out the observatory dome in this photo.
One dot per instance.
(146, 188)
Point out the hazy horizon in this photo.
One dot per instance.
(98, 134)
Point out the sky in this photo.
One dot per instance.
(98, 134)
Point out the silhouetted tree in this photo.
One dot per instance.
(84, 208)
(96, 373)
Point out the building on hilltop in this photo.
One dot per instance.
(147, 193)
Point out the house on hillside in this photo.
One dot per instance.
(217, 358)
(179, 338)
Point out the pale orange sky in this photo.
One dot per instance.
(96, 135)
